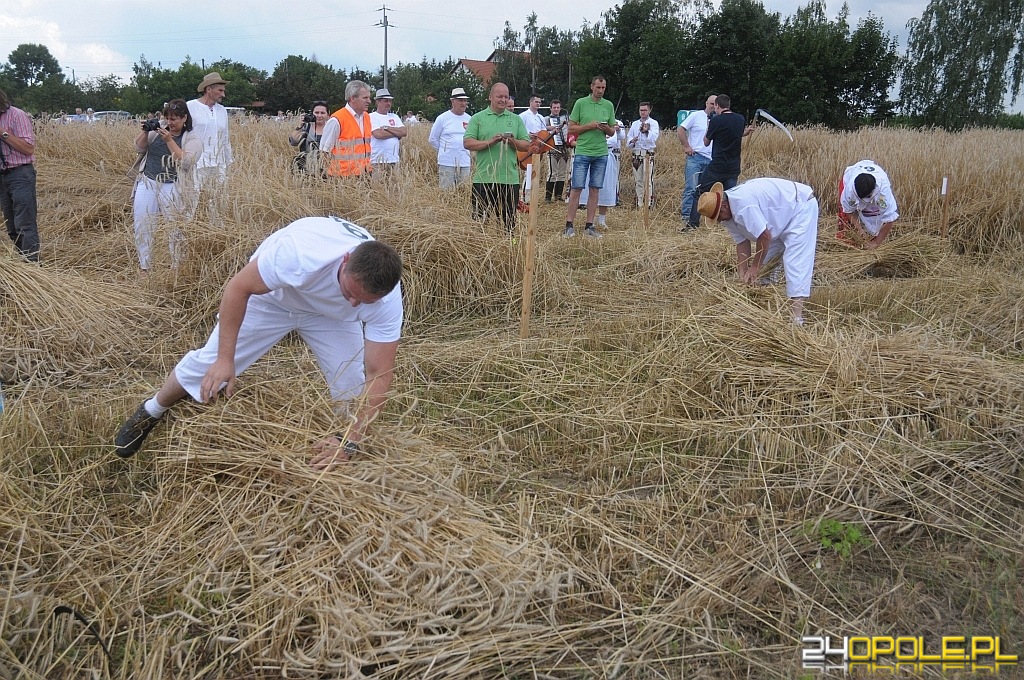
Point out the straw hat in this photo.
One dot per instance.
(710, 203)
(383, 93)
(459, 93)
(211, 79)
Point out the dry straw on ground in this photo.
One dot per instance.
(647, 487)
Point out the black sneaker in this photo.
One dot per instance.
(133, 432)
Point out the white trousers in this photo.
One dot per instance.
(337, 346)
(152, 200)
(797, 243)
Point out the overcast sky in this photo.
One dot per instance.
(99, 37)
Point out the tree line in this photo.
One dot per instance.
(962, 60)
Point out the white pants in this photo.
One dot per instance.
(152, 200)
(337, 346)
(797, 243)
(213, 181)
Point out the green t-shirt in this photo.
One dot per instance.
(586, 110)
(497, 164)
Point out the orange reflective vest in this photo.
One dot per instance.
(351, 153)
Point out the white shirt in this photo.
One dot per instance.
(696, 125)
(384, 150)
(765, 203)
(299, 264)
(638, 141)
(534, 122)
(876, 209)
(210, 123)
(446, 136)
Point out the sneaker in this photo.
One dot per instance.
(593, 233)
(133, 432)
(687, 228)
(569, 232)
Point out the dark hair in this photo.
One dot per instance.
(5, 103)
(597, 78)
(179, 107)
(723, 100)
(647, 104)
(556, 101)
(377, 266)
(319, 102)
(864, 184)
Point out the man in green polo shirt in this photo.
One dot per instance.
(495, 134)
(592, 121)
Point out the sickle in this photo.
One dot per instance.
(774, 121)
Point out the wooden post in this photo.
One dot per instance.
(647, 190)
(531, 240)
(945, 207)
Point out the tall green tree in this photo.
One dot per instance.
(30, 64)
(103, 93)
(963, 58)
(243, 81)
(875, 64)
(297, 82)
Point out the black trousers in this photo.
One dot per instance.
(500, 199)
(18, 202)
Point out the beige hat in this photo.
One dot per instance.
(459, 93)
(383, 93)
(211, 79)
(710, 203)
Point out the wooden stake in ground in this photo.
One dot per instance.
(945, 206)
(647, 191)
(531, 239)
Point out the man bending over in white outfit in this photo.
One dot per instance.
(329, 281)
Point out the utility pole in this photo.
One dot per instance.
(385, 24)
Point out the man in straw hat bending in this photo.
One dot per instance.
(329, 281)
(210, 124)
(779, 216)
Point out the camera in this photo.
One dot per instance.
(308, 118)
(151, 125)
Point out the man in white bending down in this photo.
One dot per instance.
(210, 124)
(446, 135)
(329, 281)
(780, 217)
(867, 207)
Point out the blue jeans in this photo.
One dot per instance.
(695, 165)
(582, 164)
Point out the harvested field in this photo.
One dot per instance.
(666, 480)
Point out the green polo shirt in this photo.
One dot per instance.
(586, 110)
(497, 164)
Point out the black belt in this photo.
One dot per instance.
(13, 168)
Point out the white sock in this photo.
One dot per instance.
(154, 408)
(600, 220)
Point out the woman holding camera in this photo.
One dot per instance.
(168, 153)
(307, 136)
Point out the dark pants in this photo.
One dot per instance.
(499, 198)
(707, 180)
(18, 201)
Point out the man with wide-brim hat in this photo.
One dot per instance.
(453, 159)
(210, 124)
(781, 218)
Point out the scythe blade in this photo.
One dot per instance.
(774, 121)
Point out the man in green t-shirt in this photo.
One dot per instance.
(495, 134)
(592, 121)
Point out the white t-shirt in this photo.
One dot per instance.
(534, 122)
(638, 141)
(876, 209)
(446, 136)
(765, 203)
(384, 150)
(299, 264)
(696, 125)
(210, 124)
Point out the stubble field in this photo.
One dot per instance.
(665, 480)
